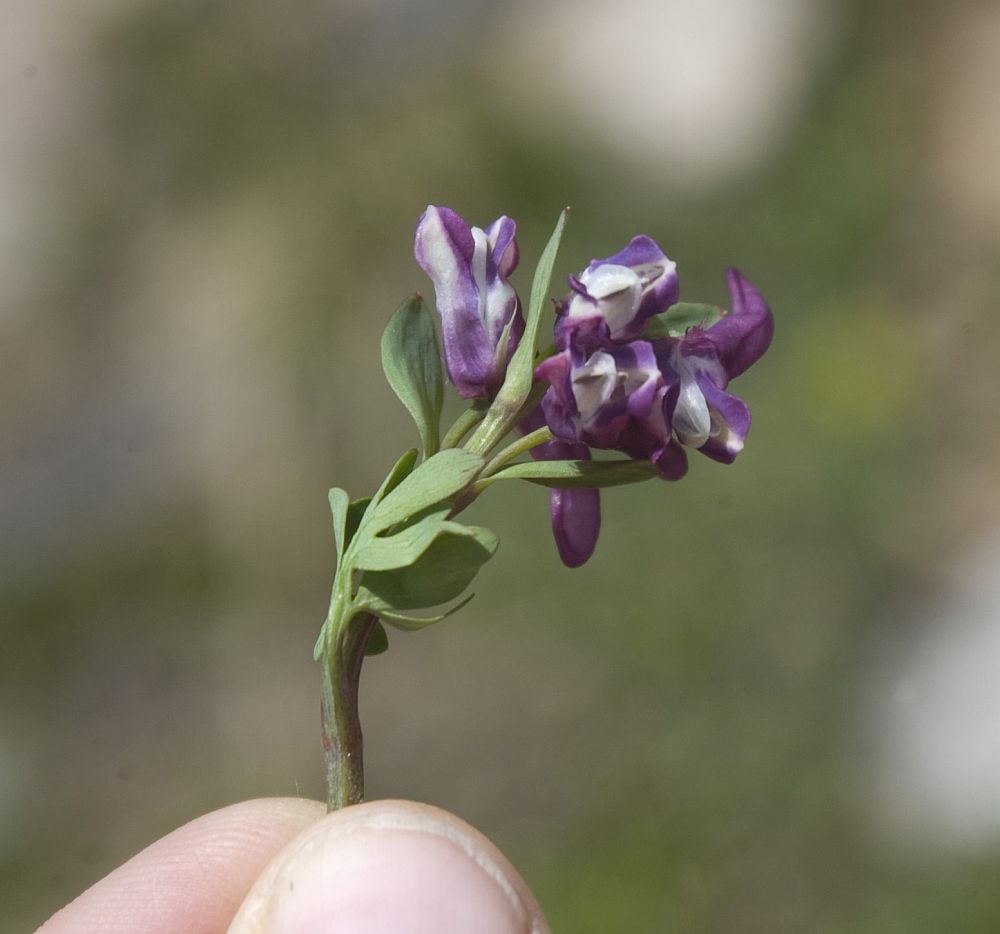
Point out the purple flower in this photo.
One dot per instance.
(614, 398)
(647, 398)
(613, 298)
(481, 320)
(576, 513)
(697, 369)
(611, 389)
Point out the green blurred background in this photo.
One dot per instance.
(770, 702)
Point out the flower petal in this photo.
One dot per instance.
(501, 301)
(595, 398)
(730, 422)
(657, 273)
(445, 248)
(614, 297)
(742, 337)
(559, 402)
(616, 291)
(672, 461)
(468, 267)
(503, 247)
(580, 322)
(593, 382)
(576, 524)
(576, 514)
(692, 421)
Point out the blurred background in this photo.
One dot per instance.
(770, 702)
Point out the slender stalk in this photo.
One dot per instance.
(499, 422)
(342, 739)
(492, 428)
(463, 425)
(521, 446)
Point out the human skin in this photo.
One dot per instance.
(285, 865)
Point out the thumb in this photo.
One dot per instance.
(390, 866)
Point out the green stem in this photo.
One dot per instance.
(463, 425)
(492, 428)
(519, 447)
(343, 655)
(499, 421)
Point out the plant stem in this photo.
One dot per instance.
(342, 740)
(497, 423)
(463, 425)
(529, 441)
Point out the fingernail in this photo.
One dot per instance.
(393, 867)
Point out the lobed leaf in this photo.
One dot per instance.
(378, 641)
(400, 471)
(409, 623)
(340, 503)
(355, 515)
(411, 360)
(435, 480)
(384, 553)
(440, 574)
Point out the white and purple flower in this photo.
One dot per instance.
(576, 513)
(481, 319)
(697, 369)
(613, 298)
(613, 398)
(613, 390)
(628, 374)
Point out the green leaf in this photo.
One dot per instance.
(383, 553)
(575, 474)
(412, 364)
(436, 479)
(378, 641)
(400, 471)
(355, 515)
(320, 644)
(403, 621)
(340, 503)
(441, 573)
(678, 319)
(520, 372)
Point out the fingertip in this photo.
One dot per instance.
(194, 878)
(390, 866)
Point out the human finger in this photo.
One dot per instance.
(390, 866)
(192, 879)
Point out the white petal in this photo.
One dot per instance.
(479, 268)
(593, 383)
(692, 420)
(617, 290)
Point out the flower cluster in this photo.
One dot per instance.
(633, 371)
(611, 388)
